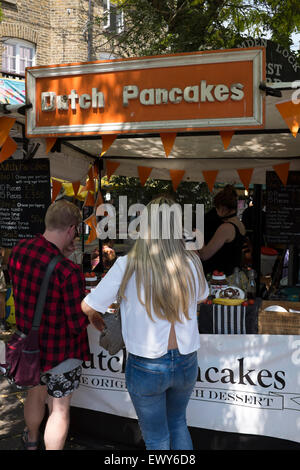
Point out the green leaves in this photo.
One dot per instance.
(163, 26)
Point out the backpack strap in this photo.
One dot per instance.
(43, 292)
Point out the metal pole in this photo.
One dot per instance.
(257, 204)
(100, 267)
(89, 31)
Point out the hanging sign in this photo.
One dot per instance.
(281, 64)
(180, 92)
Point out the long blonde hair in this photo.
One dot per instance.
(161, 265)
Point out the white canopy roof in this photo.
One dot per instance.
(192, 152)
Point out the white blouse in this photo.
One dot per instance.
(143, 336)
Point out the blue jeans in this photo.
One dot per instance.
(160, 390)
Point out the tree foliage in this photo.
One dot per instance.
(169, 26)
(161, 26)
(187, 193)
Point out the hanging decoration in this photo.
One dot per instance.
(176, 177)
(111, 168)
(8, 149)
(210, 178)
(50, 141)
(107, 141)
(245, 175)
(76, 186)
(95, 171)
(6, 124)
(56, 187)
(92, 223)
(290, 112)
(226, 137)
(282, 171)
(89, 200)
(99, 200)
(168, 139)
(144, 173)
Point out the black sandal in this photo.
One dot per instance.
(26, 443)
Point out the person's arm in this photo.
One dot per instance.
(104, 294)
(224, 234)
(94, 317)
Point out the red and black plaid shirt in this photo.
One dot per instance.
(63, 332)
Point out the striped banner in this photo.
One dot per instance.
(229, 320)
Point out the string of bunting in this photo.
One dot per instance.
(289, 110)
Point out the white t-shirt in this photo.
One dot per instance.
(143, 336)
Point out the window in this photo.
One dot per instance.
(113, 18)
(16, 56)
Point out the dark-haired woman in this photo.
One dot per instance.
(223, 252)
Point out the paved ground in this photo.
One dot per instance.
(12, 421)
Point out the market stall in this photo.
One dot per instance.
(247, 385)
(188, 117)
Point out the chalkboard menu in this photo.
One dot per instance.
(24, 199)
(283, 209)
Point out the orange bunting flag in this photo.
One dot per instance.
(144, 173)
(226, 137)
(245, 175)
(90, 185)
(282, 171)
(91, 173)
(95, 171)
(9, 147)
(107, 141)
(111, 168)
(50, 141)
(56, 187)
(6, 124)
(89, 200)
(92, 223)
(168, 139)
(76, 186)
(290, 112)
(176, 177)
(99, 199)
(210, 178)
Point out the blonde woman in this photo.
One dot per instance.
(159, 283)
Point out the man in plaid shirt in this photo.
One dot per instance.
(63, 335)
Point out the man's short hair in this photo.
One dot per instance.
(61, 214)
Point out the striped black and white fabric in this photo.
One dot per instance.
(228, 319)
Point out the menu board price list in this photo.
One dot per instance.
(24, 199)
(283, 209)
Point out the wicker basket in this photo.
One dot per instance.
(279, 323)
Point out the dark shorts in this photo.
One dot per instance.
(61, 385)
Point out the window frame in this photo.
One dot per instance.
(108, 11)
(18, 44)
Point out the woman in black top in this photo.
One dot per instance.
(223, 252)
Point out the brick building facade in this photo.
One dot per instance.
(55, 30)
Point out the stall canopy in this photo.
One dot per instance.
(206, 116)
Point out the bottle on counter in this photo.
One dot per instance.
(236, 278)
(251, 290)
(218, 281)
